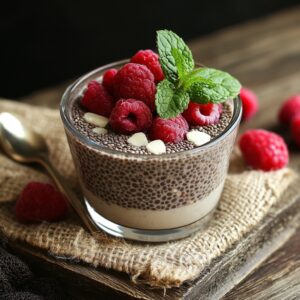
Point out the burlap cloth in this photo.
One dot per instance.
(246, 199)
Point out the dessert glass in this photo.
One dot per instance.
(148, 197)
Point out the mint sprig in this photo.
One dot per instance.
(183, 83)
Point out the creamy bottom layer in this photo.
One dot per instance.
(155, 219)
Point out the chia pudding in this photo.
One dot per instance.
(134, 187)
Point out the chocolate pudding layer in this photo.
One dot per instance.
(120, 186)
(134, 188)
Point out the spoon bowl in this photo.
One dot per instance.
(19, 142)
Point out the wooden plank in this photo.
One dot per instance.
(277, 278)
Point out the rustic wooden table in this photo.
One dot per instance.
(265, 55)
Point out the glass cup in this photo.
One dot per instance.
(150, 198)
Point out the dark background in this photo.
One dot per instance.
(46, 42)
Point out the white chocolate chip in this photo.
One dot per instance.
(156, 147)
(198, 138)
(138, 139)
(99, 130)
(95, 119)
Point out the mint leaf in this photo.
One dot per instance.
(193, 77)
(170, 101)
(175, 57)
(206, 85)
(179, 62)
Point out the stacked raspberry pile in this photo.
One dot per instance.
(126, 97)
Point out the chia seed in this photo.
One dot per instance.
(118, 142)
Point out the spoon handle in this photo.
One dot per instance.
(73, 199)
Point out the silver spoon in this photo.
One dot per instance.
(26, 146)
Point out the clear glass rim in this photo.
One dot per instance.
(237, 113)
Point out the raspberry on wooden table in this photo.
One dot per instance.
(289, 109)
(135, 81)
(108, 79)
(40, 202)
(264, 150)
(249, 102)
(169, 130)
(202, 114)
(130, 116)
(97, 100)
(295, 129)
(151, 61)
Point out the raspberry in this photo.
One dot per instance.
(264, 150)
(97, 100)
(181, 122)
(250, 103)
(137, 82)
(289, 109)
(130, 116)
(108, 79)
(150, 60)
(203, 114)
(295, 129)
(169, 130)
(40, 202)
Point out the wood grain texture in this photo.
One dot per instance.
(265, 55)
(277, 278)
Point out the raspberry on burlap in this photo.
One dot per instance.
(40, 202)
